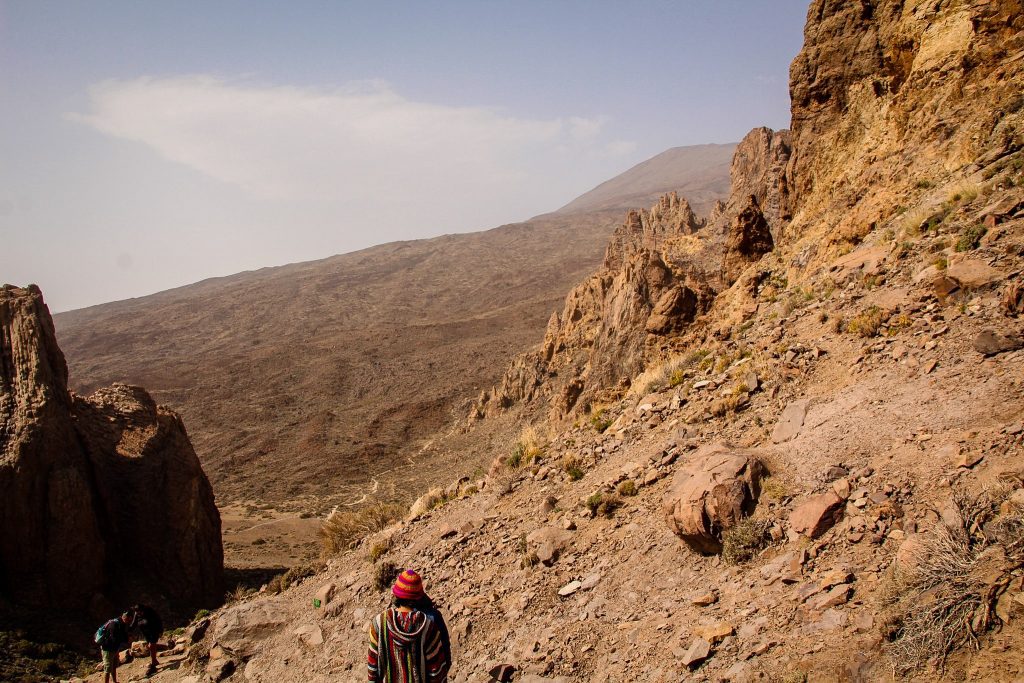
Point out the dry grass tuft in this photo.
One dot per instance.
(866, 324)
(384, 574)
(627, 488)
(343, 529)
(573, 466)
(434, 498)
(743, 541)
(604, 504)
(943, 590)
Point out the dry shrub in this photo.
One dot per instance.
(380, 549)
(384, 574)
(434, 498)
(573, 466)
(943, 590)
(604, 504)
(866, 324)
(670, 373)
(343, 529)
(281, 582)
(741, 542)
(627, 488)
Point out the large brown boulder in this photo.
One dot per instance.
(713, 492)
(100, 497)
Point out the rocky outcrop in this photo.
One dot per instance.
(717, 488)
(652, 284)
(100, 497)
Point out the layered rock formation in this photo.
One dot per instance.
(101, 498)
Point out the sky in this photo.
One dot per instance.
(148, 145)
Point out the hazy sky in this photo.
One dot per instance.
(146, 145)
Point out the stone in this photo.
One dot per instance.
(817, 515)
(973, 273)
(547, 543)
(839, 595)
(590, 581)
(716, 632)
(310, 635)
(841, 487)
(570, 588)
(991, 343)
(240, 629)
(969, 459)
(548, 504)
(1012, 300)
(699, 650)
(716, 488)
(221, 668)
(704, 599)
(83, 479)
(325, 594)
(502, 673)
(791, 421)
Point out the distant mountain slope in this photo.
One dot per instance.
(698, 172)
(307, 382)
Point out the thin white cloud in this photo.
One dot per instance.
(362, 143)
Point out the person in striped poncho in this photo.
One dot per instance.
(405, 644)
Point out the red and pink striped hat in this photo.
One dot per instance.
(408, 586)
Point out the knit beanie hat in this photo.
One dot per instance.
(408, 586)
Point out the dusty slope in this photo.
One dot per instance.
(308, 384)
(700, 172)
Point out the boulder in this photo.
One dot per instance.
(973, 273)
(817, 515)
(1012, 301)
(240, 629)
(700, 650)
(547, 543)
(991, 343)
(713, 492)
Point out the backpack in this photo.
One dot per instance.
(104, 637)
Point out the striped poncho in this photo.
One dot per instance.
(405, 647)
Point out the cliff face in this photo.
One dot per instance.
(892, 94)
(100, 497)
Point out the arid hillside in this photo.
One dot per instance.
(314, 383)
(784, 444)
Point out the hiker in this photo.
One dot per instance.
(405, 644)
(149, 623)
(112, 637)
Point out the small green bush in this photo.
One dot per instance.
(970, 238)
(573, 466)
(866, 324)
(604, 504)
(599, 421)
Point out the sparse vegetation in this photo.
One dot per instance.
(344, 528)
(627, 488)
(384, 574)
(866, 324)
(281, 582)
(431, 500)
(773, 489)
(26, 660)
(941, 263)
(573, 466)
(743, 541)
(924, 184)
(942, 593)
(604, 504)
(970, 238)
(380, 549)
(600, 421)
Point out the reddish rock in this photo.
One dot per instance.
(817, 515)
(712, 493)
